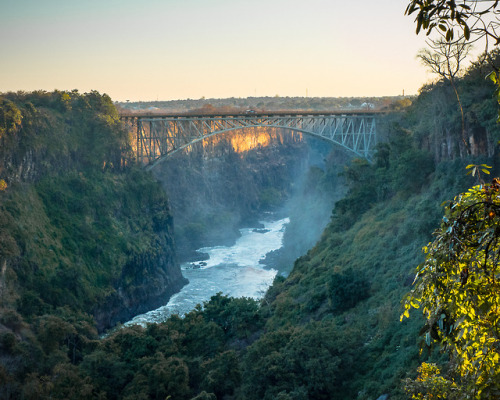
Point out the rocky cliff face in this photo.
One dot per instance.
(79, 228)
(156, 278)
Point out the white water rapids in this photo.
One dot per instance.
(233, 270)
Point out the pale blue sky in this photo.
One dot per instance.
(177, 49)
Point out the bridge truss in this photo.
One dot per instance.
(160, 136)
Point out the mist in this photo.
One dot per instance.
(315, 191)
(216, 188)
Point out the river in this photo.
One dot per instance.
(233, 270)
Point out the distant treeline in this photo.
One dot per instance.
(271, 103)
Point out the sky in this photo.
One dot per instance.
(146, 50)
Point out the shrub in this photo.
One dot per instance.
(346, 289)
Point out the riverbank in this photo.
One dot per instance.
(234, 270)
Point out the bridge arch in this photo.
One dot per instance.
(158, 137)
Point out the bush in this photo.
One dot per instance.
(346, 289)
(238, 317)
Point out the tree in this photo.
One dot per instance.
(445, 59)
(10, 118)
(472, 19)
(429, 384)
(458, 289)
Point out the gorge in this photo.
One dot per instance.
(86, 240)
(233, 181)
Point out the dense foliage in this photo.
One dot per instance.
(304, 340)
(457, 284)
(458, 288)
(82, 232)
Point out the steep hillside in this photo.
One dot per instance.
(349, 286)
(81, 229)
(331, 329)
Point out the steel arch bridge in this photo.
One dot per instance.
(158, 136)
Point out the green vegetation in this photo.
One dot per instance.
(84, 236)
(457, 287)
(330, 330)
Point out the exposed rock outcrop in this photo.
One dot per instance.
(156, 280)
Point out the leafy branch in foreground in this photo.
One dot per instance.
(472, 19)
(464, 21)
(475, 170)
(458, 289)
